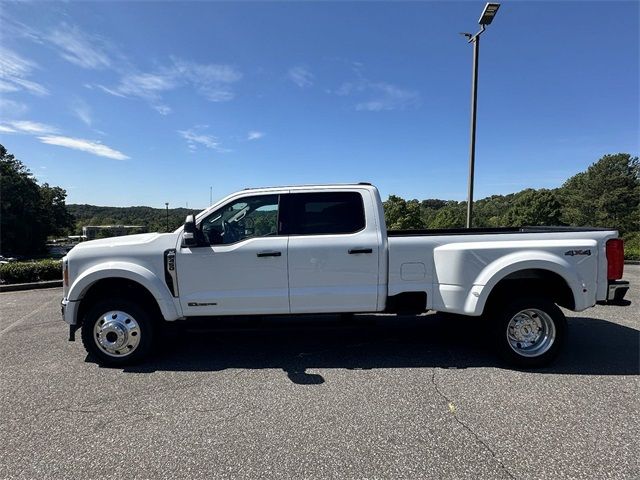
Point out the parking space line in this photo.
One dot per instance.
(20, 320)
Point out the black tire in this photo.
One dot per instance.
(544, 313)
(144, 331)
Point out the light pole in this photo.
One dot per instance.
(490, 10)
(166, 204)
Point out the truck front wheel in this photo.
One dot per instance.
(117, 332)
(529, 332)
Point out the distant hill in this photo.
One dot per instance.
(155, 219)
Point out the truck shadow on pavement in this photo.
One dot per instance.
(363, 342)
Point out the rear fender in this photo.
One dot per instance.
(493, 273)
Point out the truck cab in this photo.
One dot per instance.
(281, 251)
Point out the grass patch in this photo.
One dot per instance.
(30, 271)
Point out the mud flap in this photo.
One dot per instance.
(72, 332)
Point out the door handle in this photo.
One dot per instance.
(269, 254)
(353, 251)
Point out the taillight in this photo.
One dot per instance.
(615, 258)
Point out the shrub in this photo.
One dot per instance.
(32, 271)
(632, 246)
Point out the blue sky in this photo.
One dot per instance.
(144, 103)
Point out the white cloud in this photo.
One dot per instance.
(14, 71)
(212, 81)
(45, 133)
(11, 108)
(379, 96)
(195, 138)
(12, 28)
(79, 48)
(147, 86)
(162, 109)
(6, 87)
(13, 65)
(255, 135)
(110, 91)
(81, 144)
(32, 87)
(82, 110)
(301, 76)
(27, 126)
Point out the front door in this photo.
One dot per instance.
(240, 266)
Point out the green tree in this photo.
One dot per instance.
(535, 208)
(452, 215)
(57, 219)
(400, 214)
(21, 231)
(429, 209)
(606, 195)
(28, 212)
(491, 211)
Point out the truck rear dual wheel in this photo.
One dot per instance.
(117, 332)
(529, 332)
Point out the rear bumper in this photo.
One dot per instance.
(616, 291)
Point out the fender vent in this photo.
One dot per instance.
(170, 271)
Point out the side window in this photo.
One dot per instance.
(324, 213)
(247, 217)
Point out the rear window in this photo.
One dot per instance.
(323, 213)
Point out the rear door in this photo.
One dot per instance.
(333, 251)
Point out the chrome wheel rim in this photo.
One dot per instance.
(531, 332)
(117, 333)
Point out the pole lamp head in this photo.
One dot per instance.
(490, 10)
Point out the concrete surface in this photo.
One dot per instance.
(372, 397)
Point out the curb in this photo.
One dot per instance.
(30, 286)
(632, 262)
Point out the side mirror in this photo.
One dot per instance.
(189, 238)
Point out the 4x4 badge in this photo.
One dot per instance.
(571, 253)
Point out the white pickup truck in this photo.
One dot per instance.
(326, 249)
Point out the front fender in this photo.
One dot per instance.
(129, 271)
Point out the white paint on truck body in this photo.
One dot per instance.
(315, 273)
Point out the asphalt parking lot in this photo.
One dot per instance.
(371, 397)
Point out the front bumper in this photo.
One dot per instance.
(68, 309)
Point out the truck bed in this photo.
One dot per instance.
(491, 230)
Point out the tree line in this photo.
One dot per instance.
(607, 194)
(153, 219)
